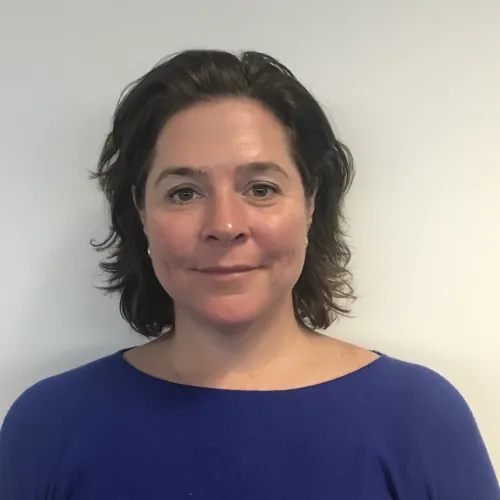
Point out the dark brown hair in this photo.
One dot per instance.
(324, 163)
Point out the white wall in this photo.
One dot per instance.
(414, 89)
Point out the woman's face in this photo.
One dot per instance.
(225, 212)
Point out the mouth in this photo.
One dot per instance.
(229, 270)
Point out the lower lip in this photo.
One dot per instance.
(228, 276)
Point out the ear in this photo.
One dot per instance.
(140, 210)
(310, 206)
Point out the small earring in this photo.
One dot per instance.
(149, 251)
(307, 241)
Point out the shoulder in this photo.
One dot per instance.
(35, 433)
(415, 382)
(419, 395)
(69, 384)
(52, 403)
(427, 427)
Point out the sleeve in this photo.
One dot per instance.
(460, 466)
(28, 444)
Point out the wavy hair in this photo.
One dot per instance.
(326, 168)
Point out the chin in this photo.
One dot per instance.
(231, 311)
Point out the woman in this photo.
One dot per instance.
(225, 184)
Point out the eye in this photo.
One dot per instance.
(262, 190)
(182, 195)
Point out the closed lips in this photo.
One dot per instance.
(227, 270)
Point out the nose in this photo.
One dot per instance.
(225, 220)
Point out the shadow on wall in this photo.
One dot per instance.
(67, 321)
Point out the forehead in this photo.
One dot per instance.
(223, 132)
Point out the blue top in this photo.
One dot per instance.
(106, 431)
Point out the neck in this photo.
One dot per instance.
(203, 354)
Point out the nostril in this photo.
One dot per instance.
(226, 239)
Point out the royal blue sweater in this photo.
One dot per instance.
(105, 431)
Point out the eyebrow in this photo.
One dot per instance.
(179, 172)
(259, 167)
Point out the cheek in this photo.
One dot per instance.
(283, 237)
(170, 237)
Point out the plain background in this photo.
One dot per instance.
(413, 88)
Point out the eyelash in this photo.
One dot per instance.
(272, 187)
(170, 196)
(174, 192)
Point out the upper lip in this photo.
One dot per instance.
(226, 269)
